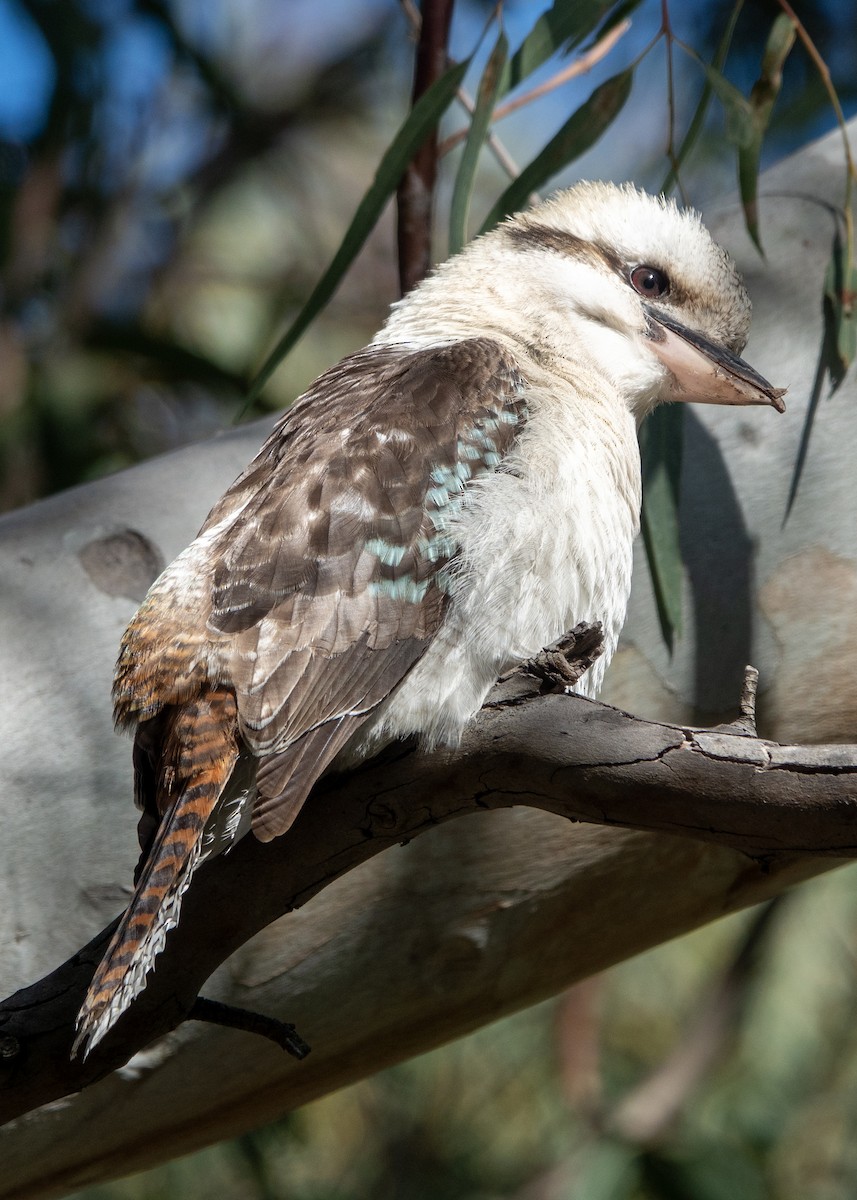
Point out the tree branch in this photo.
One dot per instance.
(415, 197)
(557, 752)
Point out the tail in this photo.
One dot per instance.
(200, 749)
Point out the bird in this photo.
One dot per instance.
(434, 509)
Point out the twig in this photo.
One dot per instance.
(412, 16)
(416, 191)
(580, 66)
(577, 1025)
(499, 151)
(281, 1032)
(747, 708)
(824, 72)
(744, 724)
(666, 30)
(698, 119)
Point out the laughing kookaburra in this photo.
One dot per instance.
(434, 509)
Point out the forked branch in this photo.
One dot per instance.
(533, 744)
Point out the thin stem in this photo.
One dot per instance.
(747, 712)
(647, 49)
(649, 1110)
(415, 196)
(499, 151)
(580, 66)
(698, 119)
(282, 1032)
(824, 73)
(666, 30)
(412, 16)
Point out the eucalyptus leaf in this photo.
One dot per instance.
(661, 451)
(838, 348)
(840, 294)
(491, 85)
(762, 98)
(698, 120)
(564, 26)
(583, 128)
(421, 120)
(740, 124)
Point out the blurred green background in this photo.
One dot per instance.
(678, 1075)
(174, 177)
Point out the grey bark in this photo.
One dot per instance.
(478, 917)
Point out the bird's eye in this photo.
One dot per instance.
(650, 282)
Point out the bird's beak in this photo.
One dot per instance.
(703, 371)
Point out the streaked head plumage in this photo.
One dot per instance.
(607, 277)
(632, 228)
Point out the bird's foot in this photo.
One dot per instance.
(561, 665)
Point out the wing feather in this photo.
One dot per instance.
(318, 578)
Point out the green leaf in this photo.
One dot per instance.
(491, 85)
(840, 295)
(762, 98)
(739, 115)
(698, 120)
(581, 130)
(616, 17)
(661, 451)
(838, 348)
(420, 121)
(564, 26)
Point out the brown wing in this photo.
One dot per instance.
(313, 587)
(320, 575)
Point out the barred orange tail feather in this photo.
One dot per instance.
(199, 753)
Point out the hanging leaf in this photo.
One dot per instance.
(698, 120)
(491, 85)
(580, 131)
(561, 28)
(739, 114)
(808, 421)
(762, 98)
(660, 520)
(421, 120)
(838, 348)
(661, 451)
(840, 296)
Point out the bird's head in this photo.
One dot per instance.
(656, 302)
(611, 280)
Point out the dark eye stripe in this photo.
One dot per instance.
(545, 237)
